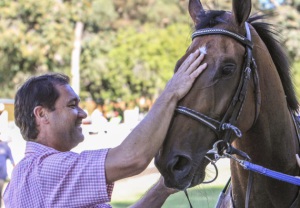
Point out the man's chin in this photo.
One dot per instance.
(77, 141)
(78, 138)
(81, 138)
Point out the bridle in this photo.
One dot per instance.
(224, 128)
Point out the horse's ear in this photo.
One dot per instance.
(241, 10)
(195, 8)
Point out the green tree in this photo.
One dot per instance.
(127, 48)
(139, 63)
(33, 40)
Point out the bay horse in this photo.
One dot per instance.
(246, 91)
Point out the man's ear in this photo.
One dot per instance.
(40, 114)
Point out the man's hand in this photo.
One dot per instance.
(161, 183)
(186, 75)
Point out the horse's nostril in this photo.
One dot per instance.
(180, 166)
(181, 163)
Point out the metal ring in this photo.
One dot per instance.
(217, 173)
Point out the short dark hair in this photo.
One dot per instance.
(36, 91)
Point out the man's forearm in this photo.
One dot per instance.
(155, 197)
(144, 141)
(152, 130)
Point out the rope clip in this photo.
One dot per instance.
(219, 149)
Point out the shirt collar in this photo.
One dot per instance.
(34, 147)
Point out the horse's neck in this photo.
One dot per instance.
(272, 140)
(272, 143)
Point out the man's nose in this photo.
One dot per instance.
(82, 113)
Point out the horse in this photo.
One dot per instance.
(246, 91)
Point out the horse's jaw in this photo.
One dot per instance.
(184, 183)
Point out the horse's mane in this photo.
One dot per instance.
(271, 38)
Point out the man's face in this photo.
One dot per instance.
(65, 121)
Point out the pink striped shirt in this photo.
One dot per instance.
(49, 178)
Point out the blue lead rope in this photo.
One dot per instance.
(271, 173)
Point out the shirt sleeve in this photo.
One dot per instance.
(69, 179)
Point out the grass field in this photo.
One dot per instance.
(199, 197)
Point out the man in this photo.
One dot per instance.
(5, 154)
(48, 114)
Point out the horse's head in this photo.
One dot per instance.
(215, 95)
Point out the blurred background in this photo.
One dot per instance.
(119, 55)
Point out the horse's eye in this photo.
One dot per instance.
(228, 69)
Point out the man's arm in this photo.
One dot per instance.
(138, 149)
(156, 196)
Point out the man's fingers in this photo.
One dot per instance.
(198, 71)
(186, 74)
(190, 59)
(195, 64)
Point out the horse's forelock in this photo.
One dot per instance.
(209, 19)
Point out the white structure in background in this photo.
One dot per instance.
(131, 117)
(99, 122)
